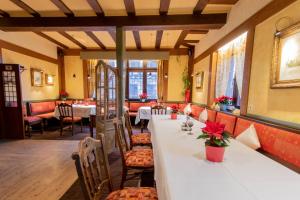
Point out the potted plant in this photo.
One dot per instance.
(216, 141)
(223, 102)
(174, 111)
(143, 97)
(186, 85)
(63, 95)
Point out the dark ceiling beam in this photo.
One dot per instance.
(159, 34)
(96, 7)
(66, 35)
(190, 41)
(198, 31)
(149, 22)
(187, 45)
(164, 7)
(181, 38)
(223, 1)
(201, 4)
(4, 14)
(43, 35)
(95, 39)
(137, 39)
(112, 33)
(63, 8)
(25, 7)
(129, 5)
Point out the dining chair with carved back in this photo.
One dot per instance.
(92, 167)
(158, 110)
(66, 116)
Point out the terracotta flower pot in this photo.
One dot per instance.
(215, 154)
(173, 115)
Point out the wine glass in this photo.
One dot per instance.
(190, 124)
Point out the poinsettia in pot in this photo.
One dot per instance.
(174, 111)
(63, 95)
(143, 97)
(216, 141)
(223, 102)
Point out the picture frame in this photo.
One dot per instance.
(49, 79)
(285, 70)
(199, 80)
(36, 77)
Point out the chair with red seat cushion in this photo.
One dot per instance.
(228, 120)
(93, 171)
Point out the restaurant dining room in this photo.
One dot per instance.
(149, 99)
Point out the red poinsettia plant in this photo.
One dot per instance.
(63, 94)
(215, 135)
(224, 100)
(143, 96)
(174, 108)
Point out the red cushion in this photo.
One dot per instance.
(41, 107)
(46, 115)
(211, 115)
(32, 119)
(196, 110)
(134, 106)
(228, 120)
(182, 106)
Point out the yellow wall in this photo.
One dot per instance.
(200, 95)
(282, 104)
(74, 86)
(177, 64)
(29, 92)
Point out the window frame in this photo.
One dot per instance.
(144, 69)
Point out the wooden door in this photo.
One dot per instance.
(12, 125)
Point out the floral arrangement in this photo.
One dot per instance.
(143, 96)
(174, 108)
(63, 94)
(215, 135)
(224, 100)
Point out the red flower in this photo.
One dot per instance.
(214, 129)
(174, 108)
(143, 96)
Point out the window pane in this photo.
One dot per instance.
(112, 63)
(135, 84)
(152, 85)
(135, 64)
(152, 64)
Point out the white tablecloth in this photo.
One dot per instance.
(183, 173)
(144, 112)
(79, 111)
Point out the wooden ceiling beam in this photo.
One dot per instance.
(164, 7)
(159, 34)
(4, 14)
(198, 31)
(66, 35)
(149, 22)
(190, 41)
(201, 4)
(112, 33)
(129, 5)
(187, 45)
(96, 7)
(63, 8)
(95, 39)
(137, 39)
(181, 38)
(25, 7)
(43, 35)
(231, 2)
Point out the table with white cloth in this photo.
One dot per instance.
(183, 173)
(144, 113)
(84, 111)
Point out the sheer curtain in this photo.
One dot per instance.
(92, 78)
(230, 68)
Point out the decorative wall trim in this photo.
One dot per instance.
(27, 52)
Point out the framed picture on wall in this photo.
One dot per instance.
(286, 58)
(36, 77)
(199, 80)
(49, 79)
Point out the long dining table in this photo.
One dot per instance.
(183, 173)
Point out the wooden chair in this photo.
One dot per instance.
(138, 139)
(30, 121)
(93, 171)
(66, 116)
(158, 110)
(135, 161)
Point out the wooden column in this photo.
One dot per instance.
(120, 51)
(165, 78)
(61, 69)
(85, 78)
(212, 79)
(1, 59)
(191, 69)
(247, 70)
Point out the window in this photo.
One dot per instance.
(142, 78)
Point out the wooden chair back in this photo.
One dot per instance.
(65, 110)
(121, 138)
(128, 123)
(158, 110)
(92, 167)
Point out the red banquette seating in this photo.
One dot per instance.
(228, 120)
(43, 109)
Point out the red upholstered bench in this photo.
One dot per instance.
(134, 107)
(44, 110)
(277, 143)
(228, 120)
(181, 106)
(196, 110)
(30, 121)
(211, 115)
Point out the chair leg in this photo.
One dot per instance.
(61, 127)
(124, 174)
(29, 131)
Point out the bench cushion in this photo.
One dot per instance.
(32, 119)
(46, 115)
(134, 106)
(37, 108)
(196, 110)
(228, 120)
(211, 115)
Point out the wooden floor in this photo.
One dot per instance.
(36, 169)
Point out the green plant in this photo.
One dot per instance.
(186, 80)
